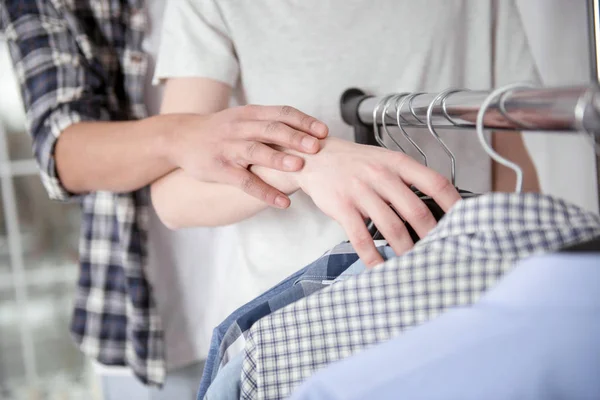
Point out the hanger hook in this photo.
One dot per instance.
(437, 137)
(480, 135)
(399, 104)
(376, 131)
(388, 103)
(410, 106)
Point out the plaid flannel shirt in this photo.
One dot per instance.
(469, 250)
(82, 60)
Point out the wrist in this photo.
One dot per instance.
(303, 177)
(283, 181)
(168, 136)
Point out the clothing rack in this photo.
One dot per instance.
(565, 109)
(562, 109)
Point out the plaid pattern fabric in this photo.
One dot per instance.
(464, 255)
(82, 60)
(314, 277)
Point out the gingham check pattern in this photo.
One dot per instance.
(82, 61)
(313, 278)
(465, 254)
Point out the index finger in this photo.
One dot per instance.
(360, 238)
(291, 117)
(256, 187)
(428, 181)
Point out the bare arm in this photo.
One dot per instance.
(217, 147)
(114, 156)
(125, 156)
(182, 201)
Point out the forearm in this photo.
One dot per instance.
(114, 156)
(182, 201)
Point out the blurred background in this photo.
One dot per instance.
(38, 238)
(38, 269)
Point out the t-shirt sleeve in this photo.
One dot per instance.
(513, 59)
(195, 42)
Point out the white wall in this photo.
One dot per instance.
(558, 36)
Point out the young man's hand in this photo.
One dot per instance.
(220, 147)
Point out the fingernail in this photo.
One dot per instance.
(309, 143)
(281, 202)
(290, 163)
(318, 127)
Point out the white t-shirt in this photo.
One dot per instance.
(305, 53)
(186, 267)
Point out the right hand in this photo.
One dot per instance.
(351, 182)
(220, 147)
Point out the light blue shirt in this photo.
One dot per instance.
(535, 336)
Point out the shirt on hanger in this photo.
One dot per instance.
(535, 336)
(228, 338)
(471, 247)
(320, 274)
(226, 386)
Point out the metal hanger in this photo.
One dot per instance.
(384, 124)
(410, 106)
(480, 127)
(399, 104)
(370, 224)
(376, 131)
(437, 137)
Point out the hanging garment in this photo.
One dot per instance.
(535, 336)
(226, 384)
(464, 255)
(229, 336)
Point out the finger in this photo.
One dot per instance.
(256, 153)
(387, 221)
(289, 116)
(256, 187)
(360, 238)
(406, 202)
(427, 180)
(280, 134)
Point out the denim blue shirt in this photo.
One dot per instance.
(535, 336)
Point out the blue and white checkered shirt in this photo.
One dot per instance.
(82, 60)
